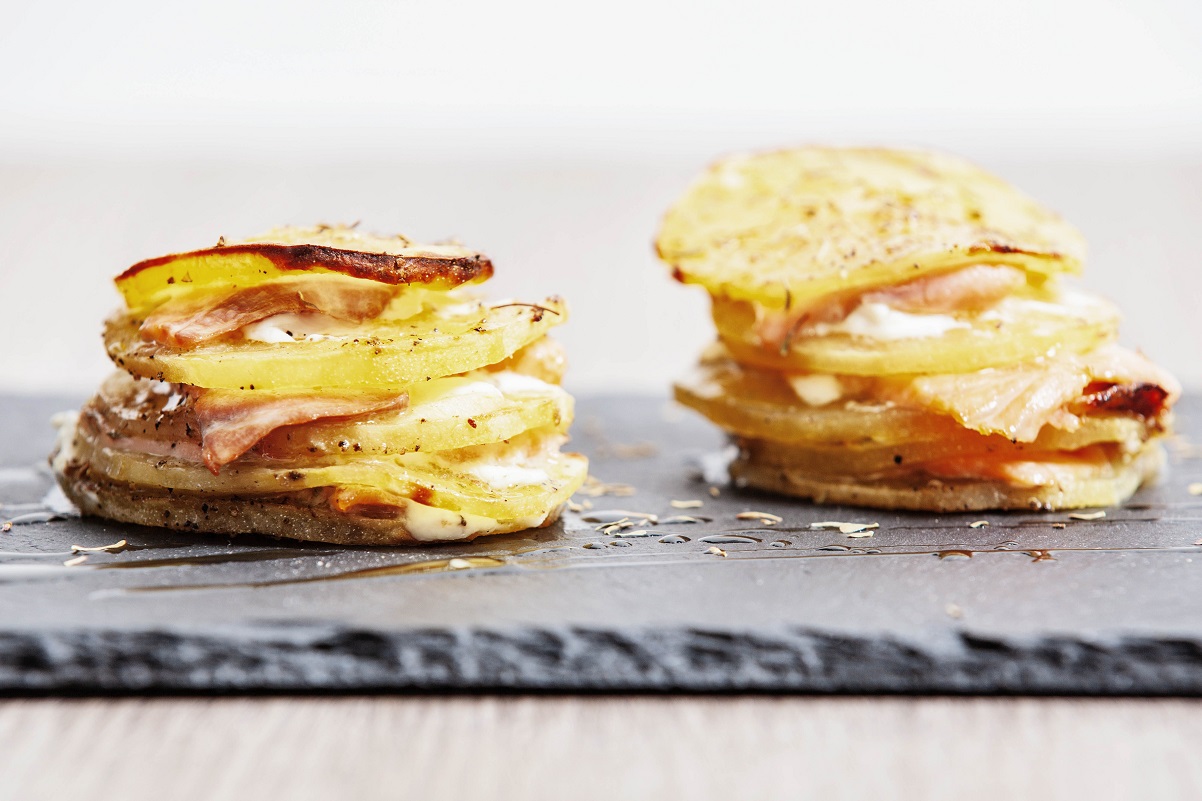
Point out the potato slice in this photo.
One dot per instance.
(872, 462)
(524, 478)
(1015, 331)
(1083, 485)
(379, 354)
(787, 228)
(284, 251)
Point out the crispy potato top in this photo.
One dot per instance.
(789, 227)
(338, 249)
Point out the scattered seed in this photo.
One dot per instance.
(116, 546)
(978, 524)
(637, 450)
(714, 492)
(611, 517)
(1195, 488)
(611, 528)
(638, 532)
(79, 560)
(595, 488)
(860, 533)
(1060, 525)
(575, 507)
(715, 550)
(686, 504)
(954, 610)
(850, 529)
(1098, 515)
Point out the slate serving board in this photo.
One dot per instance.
(1031, 603)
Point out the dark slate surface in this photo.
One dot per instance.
(1101, 607)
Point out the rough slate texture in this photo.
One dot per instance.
(1116, 609)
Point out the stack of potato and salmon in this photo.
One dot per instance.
(895, 329)
(323, 384)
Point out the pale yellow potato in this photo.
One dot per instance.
(441, 341)
(1033, 332)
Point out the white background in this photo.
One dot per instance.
(552, 135)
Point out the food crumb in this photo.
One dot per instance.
(113, 548)
(715, 550)
(1098, 515)
(1195, 488)
(765, 518)
(595, 488)
(978, 524)
(79, 560)
(714, 492)
(850, 529)
(954, 610)
(686, 504)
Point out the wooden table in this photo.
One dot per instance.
(617, 747)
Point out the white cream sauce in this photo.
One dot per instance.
(816, 390)
(878, 321)
(429, 524)
(503, 476)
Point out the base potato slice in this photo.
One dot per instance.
(1016, 331)
(380, 354)
(319, 514)
(317, 250)
(918, 492)
(792, 226)
(517, 479)
(1120, 436)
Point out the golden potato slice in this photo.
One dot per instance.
(284, 251)
(1015, 331)
(444, 414)
(442, 341)
(760, 404)
(787, 228)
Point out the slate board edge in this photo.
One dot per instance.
(301, 658)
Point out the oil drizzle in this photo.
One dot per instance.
(453, 564)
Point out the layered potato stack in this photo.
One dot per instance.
(894, 330)
(321, 384)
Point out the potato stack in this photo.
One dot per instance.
(322, 384)
(895, 330)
